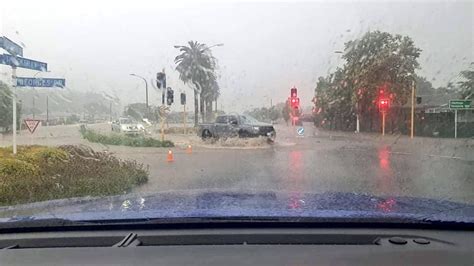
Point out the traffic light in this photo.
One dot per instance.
(293, 93)
(183, 98)
(170, 96)
(384, 104)
(295, 102)
(161, 80)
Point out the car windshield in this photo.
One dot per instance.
(247, 119)
(324, 109)
(125, 121)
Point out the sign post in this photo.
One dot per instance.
(14, 109)
(456, 123)
(15, 59)
(458, 105)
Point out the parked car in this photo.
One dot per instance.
(242, 126)
(127, 126)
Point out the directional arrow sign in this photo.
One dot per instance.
(460, 104)
(10, 46)
(40, 82)
(7, 59)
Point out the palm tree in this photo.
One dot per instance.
(196, 65)
(210, 95)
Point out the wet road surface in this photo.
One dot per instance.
(317, 162)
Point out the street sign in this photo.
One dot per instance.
(460, 104)
(32, 124)
(40, 82)
(10, 60)
(300, 131)
(10, 46)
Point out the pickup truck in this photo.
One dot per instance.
(242, 126)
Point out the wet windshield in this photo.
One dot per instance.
(253, 108)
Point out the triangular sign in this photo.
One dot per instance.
(32, 124)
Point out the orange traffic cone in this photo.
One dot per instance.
(170, 158)
(189, 150)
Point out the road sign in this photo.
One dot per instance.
(32, 124)
(300, 131)
(40, 82)
(460, 104)
(10, 46)
(10, 60)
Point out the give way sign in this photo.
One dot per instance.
(32, 124)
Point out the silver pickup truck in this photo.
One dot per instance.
(242, 126)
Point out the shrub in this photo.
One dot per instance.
(117, 139)
(44, 173)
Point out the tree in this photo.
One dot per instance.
(333, 96)
(196, 66)
(95, 108)
(210, 95)
(467, 85)
(380, 59)
(6, 108)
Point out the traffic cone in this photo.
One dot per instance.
(189, 150)
(169, 157)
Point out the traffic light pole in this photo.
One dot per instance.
(184, 118)
(383, 123)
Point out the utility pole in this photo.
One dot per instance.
(357, 117)
(412, 127)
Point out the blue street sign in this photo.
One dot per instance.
(10, 60)
(10, 46)
(300, 131)
(40, 82)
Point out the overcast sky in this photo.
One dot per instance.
(268, 47)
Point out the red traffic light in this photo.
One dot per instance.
(384, 104)
(293, 92)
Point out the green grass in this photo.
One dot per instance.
(39, 173)
(123, 140)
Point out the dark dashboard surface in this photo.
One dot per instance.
(240, 247)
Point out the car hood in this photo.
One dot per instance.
(209, 203)
(129, 125)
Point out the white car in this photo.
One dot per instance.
(126, 126)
